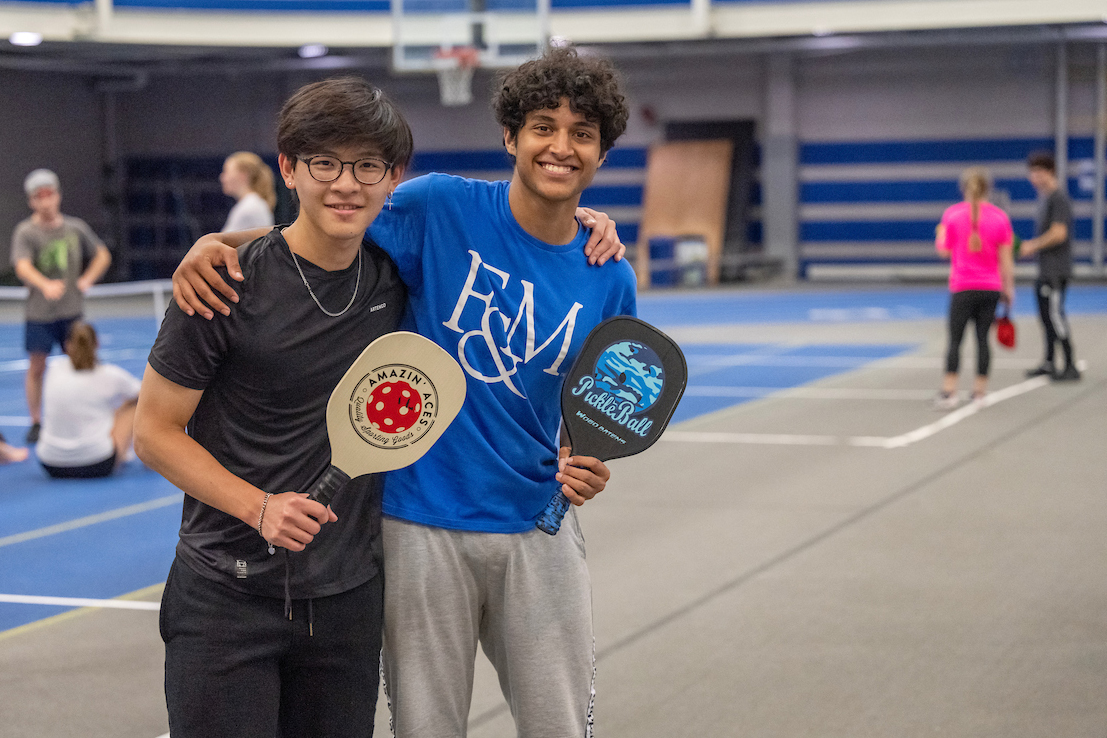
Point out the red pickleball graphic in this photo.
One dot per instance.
(393, 407)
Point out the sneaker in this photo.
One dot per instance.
(946, 401)
(1070, 374)
(1045, 369)
(34, 432)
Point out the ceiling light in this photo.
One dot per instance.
(25, 38)
(311, 51)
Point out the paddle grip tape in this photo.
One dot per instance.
(550, 519)
(328, 485)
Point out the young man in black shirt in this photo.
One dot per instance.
(272, 610)
(1053, 244)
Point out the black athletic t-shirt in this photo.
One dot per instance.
(267, 372)
(1055, 262)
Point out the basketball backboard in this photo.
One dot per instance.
(503, 33)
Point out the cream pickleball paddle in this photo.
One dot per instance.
(392, 404)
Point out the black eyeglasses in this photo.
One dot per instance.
(368, 171)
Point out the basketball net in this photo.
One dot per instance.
(454, 67)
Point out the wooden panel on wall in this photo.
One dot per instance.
(687, 184)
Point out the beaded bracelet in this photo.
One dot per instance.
(261, 515)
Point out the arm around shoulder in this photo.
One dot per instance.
(195, 277)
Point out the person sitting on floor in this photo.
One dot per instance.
(88, 411)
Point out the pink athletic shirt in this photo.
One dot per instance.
(975, 270)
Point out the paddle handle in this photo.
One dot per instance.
(550, 519)
(328, 485)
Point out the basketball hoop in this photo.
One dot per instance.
(455, 66)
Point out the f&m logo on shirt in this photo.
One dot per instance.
(482, 345)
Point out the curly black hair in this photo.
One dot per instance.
(591, 84)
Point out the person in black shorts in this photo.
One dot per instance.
(1053, 244)
(272, 611)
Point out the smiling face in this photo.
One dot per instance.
(333, 215)
(557, 153)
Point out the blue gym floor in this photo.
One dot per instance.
(107, 538)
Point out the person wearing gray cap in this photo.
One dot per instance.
(58, 257)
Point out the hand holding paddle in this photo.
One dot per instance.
(581, 477)
(291, 520)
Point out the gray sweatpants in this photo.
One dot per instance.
(527, 599)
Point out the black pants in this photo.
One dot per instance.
(235, 665)
(1051, 309)
(980, 307)
(92, 471)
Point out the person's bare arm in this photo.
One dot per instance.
(52, 289)
(195, 277)
(95, 269)
(1055, 235)
(940, 242)
(1007, 272)
(604, 242)
(291, 520)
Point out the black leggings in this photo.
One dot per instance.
(980, 306)
(1051, 309)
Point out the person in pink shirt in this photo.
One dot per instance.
(976, 237)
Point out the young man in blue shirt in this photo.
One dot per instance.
(495, 276)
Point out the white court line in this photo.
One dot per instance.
(905, 439)
(121, 512)
(79, 602)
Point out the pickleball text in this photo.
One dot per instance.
(616, 408)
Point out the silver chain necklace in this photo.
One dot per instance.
(312, 293)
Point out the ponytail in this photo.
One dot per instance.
(81, 345)
(259, 174)
(976, 183)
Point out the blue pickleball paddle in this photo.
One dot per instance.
(618, 396)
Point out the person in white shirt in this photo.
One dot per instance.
(249, 180)
(88, 411)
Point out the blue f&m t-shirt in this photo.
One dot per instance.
(514, 312)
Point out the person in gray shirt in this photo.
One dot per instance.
(58, 257)
(1053, 245)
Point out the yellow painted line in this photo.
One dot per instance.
(120, 512)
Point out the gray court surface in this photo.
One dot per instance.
(771, 579)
